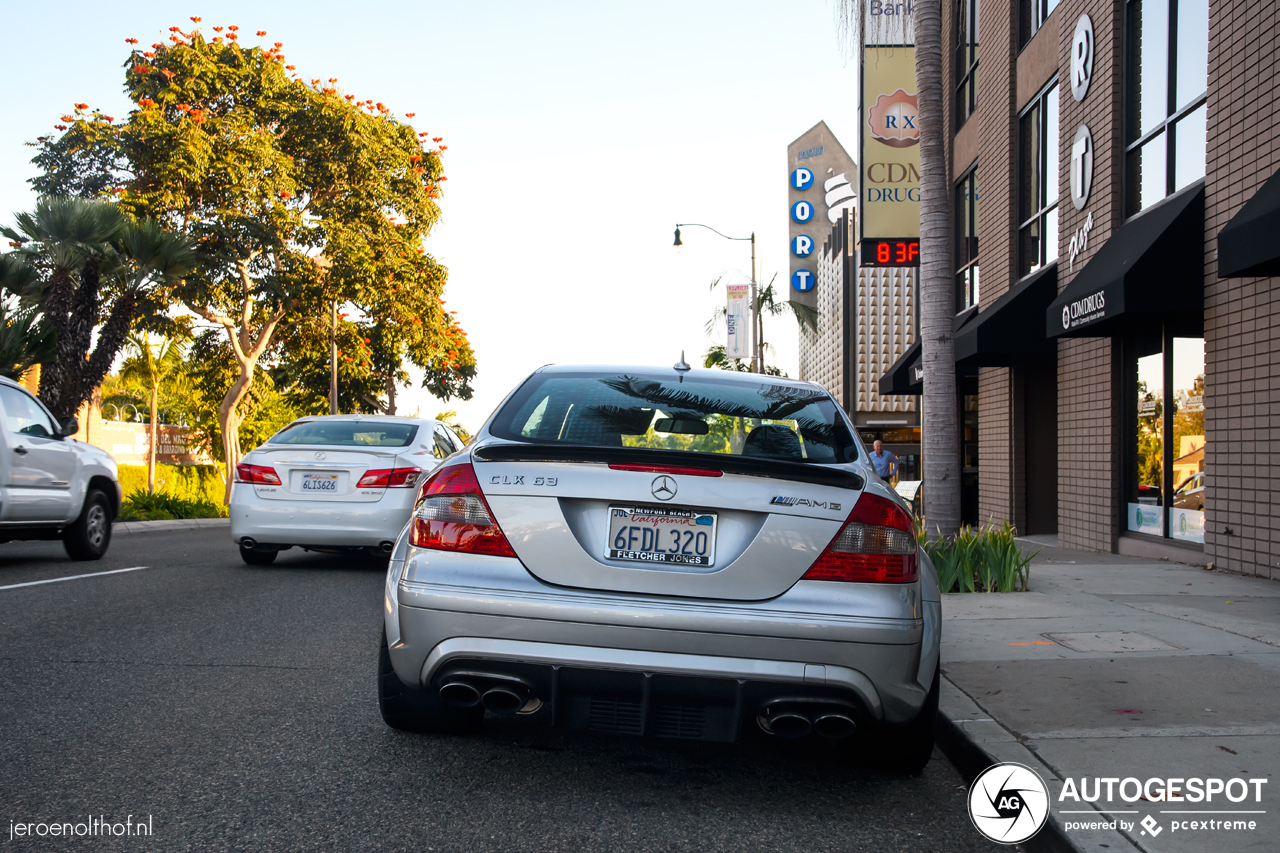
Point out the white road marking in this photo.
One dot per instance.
(75, 577)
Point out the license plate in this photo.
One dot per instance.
(319, 482)
(667, 535)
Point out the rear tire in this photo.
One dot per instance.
(88, 536)
(907, 749)
(410, 709)
(257, 558)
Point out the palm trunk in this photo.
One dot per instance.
(154, 449)
(937, 335)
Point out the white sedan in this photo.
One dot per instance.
(334, 483)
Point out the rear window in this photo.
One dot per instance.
(746, 417)
(351, 433)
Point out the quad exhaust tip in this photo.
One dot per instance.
(460, 694)
(797, 719)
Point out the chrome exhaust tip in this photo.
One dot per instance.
(787, 724)
(460, 694)
(504, 700)
(834, 726)
(248, 542)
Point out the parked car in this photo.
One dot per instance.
(665, 552)
(1149, 495)
(1190, 495)
(54, 487)
(337, 482)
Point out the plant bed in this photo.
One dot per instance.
(984, 560)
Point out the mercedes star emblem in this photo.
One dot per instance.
(320, 455)
(663, 488)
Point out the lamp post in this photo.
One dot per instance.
(757, 345)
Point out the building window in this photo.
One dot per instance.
(966, 14)
(1031, 17)
(1167, 478)
(966, 250)
(1038, 182)
(1167, 62)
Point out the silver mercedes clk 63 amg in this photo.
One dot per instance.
(668, 553)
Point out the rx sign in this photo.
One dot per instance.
(802, 179)
(802, 246)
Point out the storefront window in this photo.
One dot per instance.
(1166, 491)
(1031, 18)
(1038, 182)
(966, 16)
(1167, 73)
(966, 248)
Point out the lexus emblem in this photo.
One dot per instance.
(320, 455)
(663, 488)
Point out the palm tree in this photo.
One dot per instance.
(450, 419)
(151, 364)
(25, 340)
(90, 249)
(940, 418)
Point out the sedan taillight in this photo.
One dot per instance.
(389, 478)
(876, 545)
(258, 475)
(452, 515)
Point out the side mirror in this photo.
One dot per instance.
(70, 426)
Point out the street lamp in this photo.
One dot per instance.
(757, 346)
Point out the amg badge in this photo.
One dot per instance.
(785, 500)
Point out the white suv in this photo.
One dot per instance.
(53, 486)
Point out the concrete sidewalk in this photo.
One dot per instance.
(1118, 667)
(133, 528)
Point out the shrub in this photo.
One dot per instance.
(141, 506)
(987, 559)
(189, 482)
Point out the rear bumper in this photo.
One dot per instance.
(571, 644)
(327, 523)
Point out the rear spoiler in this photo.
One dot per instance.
(751, 466)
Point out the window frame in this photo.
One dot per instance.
(967, 286)
(1132, 108)
(1041, 214)
(966, 73)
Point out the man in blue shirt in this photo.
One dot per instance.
(886, 464)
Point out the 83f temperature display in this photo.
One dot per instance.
(881, 252)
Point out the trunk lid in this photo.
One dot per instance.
(771, 519)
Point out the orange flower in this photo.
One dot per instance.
(233, 27)
(131, 41)
(410, 115)
(195, 19)
(232, 36)
(292, 67)
(175, 29)
(436, 138)
(146, 102)
(82, 106)
(285, 194)
(183, 107)
(67, 118)
(170, 74)
(444, 147)
(443, 178)
(262, 33)
(217, 29)
(149, 54)
(315, 81)
(415, 158)
(278, 44)
(108, 118)
(333, 79)
(60, 126)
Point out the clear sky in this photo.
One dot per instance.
(579, 133)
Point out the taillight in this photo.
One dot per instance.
(389, 478)
(452, 515)
(259, 475)
(666, 469)
(876, 545)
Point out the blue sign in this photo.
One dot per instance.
(803, 280)
(802, 246)
(802, 179)
(802, 211)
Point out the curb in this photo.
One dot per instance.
(133, 528)
(973, 741)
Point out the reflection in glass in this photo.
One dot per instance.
(1051, 235)
(1186, 515)
(1051, 146)
(1149, 26)
(1145, 507)
(1189, 149)
(1147, 174)
(1193, 51)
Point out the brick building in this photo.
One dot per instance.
(1117, 163)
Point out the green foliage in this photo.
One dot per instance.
(184, 482)
(141, 506)
(987, 559)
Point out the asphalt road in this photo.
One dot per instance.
(235, 707)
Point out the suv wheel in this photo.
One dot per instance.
(88, 536)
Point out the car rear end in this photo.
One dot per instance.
(338, 482)
(666, 553)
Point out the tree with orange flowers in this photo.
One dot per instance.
(297, 196)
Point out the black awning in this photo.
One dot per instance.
(906, 376)
(1249, 244)
(1152, 269)
(1010, 327)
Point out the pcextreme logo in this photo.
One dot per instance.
(1008, 802)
